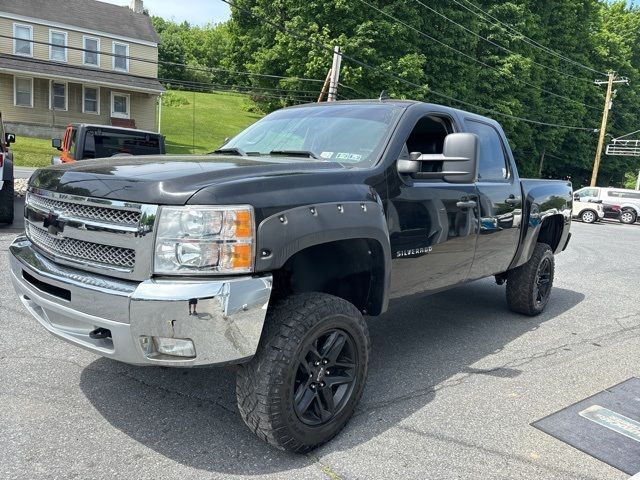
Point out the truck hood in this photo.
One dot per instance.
(165, 179)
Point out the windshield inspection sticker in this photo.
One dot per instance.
(326, 155)
(349, 157)
(613, 421)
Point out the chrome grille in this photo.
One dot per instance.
(89, 212)
(79, 249)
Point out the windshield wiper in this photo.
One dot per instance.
(230, 151)
(293, 153)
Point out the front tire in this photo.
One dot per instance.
(529, 286)
(6, 203)
(588, 216)
(628, 217)
(308, 374)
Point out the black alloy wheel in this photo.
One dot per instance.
(308, 374)
(543, 282)
(325, 378)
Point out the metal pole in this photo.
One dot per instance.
(335, 74)
(603, 129)
(159, 112)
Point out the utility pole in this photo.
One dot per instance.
(544, 151)
(605, 117)
(325, 86)
(335, 75)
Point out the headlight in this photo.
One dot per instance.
(203, 239)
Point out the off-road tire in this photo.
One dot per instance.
(6, 203)
(628, 217)
(265, 385)
(589, 216)
(523, 282)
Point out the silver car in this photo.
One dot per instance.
(628, 200)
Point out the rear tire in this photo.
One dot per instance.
(628, 217)
(308, 374)
(6, 202)
(588, 216)
(529, 286)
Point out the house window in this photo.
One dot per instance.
(120, 105)
(91, 57)
(23, 92)
(120, 58)
(22, 45)
(58, 47)
(58, 96)
(91, 100)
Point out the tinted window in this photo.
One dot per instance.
(619, 194)
(493, 163)
(98, 144)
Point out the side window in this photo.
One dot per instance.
(587, 192)
(427, 137)
(73, 143)
(493, 162)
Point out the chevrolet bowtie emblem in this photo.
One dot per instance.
(53, 224)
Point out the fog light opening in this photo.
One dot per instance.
(175, 347)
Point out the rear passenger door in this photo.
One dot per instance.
(499, 202)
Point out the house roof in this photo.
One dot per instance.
(40, 68)
(86, 14)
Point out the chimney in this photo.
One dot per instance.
(137, 6)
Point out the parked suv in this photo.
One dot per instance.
(6, 175)
(628, 200)
(588, 212)
(82, 141)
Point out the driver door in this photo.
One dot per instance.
(433, 225)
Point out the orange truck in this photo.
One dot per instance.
(83, 141)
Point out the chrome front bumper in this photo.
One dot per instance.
(70, 303)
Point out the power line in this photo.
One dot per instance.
(176, 81)
(163, 62)
(524, 38)
(212, 89)
(502, 47)
(176, 64)
(305, 38)
(577, 102)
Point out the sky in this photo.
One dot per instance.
(196, 12)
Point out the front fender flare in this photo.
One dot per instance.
(284, 234)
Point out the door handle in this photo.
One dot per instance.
(466, 204)
(512, 200)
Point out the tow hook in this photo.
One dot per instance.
(100, 333)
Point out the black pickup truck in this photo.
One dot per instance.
(267, 254)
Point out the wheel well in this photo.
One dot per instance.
(350, 269)
(551, 231)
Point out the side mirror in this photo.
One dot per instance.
(576, 198)
(411, 165)
(459, 159)
(9, 138)
(56, 143)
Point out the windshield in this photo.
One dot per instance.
(347, 134)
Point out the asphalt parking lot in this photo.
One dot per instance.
(455, 382)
